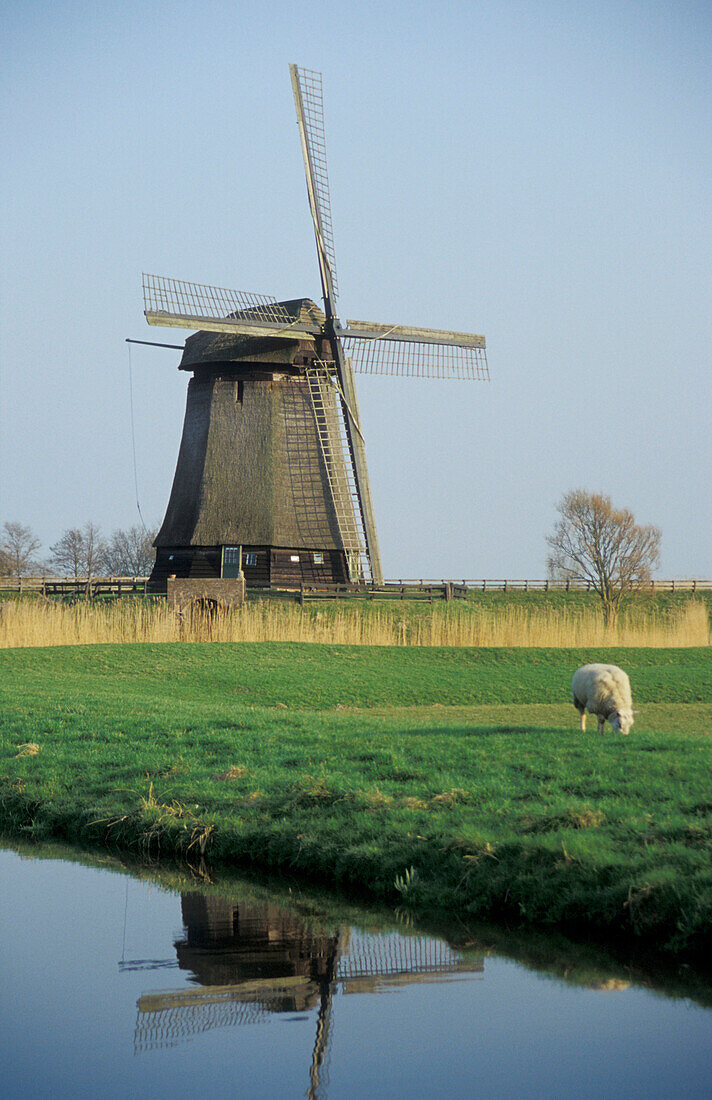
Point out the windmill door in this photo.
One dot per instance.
(231, 561)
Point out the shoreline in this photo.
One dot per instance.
(579, 962)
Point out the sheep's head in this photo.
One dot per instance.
(622, 720)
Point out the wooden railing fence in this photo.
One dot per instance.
(76, 586)
(402, 588)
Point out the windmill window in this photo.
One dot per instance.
(250, 558)
(232, 555)
(318, 557)
(294, 557)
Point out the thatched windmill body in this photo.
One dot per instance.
(271, 477)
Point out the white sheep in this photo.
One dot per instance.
(603, 690)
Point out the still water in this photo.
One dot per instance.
(133, 985)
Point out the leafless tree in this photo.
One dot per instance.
(597, 543)
(17, 549)
(78, 551)
(129, 552)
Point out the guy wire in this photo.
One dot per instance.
(133, 442)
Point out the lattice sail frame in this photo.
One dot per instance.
(308, 90)
(415, 360)
(177, 303)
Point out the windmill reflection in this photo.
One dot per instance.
(250, 959)
(230, 943)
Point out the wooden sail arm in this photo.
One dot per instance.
(240, 327)
(371, 330)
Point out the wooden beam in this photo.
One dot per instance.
(372, 330)
(241, 327)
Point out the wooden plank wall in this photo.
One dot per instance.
(289, 574)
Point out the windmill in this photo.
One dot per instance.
(271, 479)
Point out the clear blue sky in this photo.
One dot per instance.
(538, 172)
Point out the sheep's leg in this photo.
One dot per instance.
(583, 721)
(601, 723)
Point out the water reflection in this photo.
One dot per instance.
(249, 959)
(298, 968)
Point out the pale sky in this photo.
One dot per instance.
(535, 171)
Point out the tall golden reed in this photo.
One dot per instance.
(39, 623)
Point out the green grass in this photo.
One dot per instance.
(436, 779)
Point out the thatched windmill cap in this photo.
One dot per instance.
(205, 348)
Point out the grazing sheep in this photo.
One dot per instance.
(603, 690)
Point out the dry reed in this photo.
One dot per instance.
(46, 623)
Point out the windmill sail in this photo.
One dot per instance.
(175, 303)
(410, 359)
(309, 103)
(415, 352)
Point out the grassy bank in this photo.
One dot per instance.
(432, 778)
(561, 619)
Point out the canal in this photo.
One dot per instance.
(137, 982)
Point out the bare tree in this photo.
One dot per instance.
(67, 554)
(597, 543)
(17, 548)
(78, 551)
(129, 552)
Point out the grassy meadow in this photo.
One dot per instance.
(430, 777)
